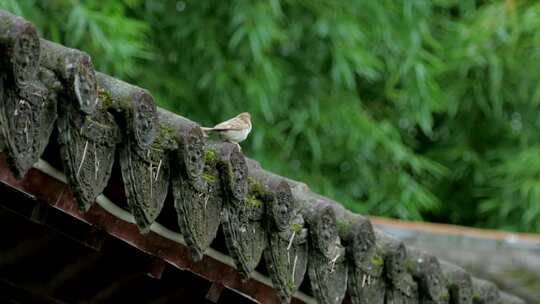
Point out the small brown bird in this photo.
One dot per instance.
(235, 129)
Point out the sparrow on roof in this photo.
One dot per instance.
(235, 129)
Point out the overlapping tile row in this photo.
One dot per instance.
(296, 232)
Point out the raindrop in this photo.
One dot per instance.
(516, 121)
(287, 49)
(180, 6)
(173, 57)
(345, 166)
(403, 123)
(357, 192)
(295, 164)
(467, 157)
(516, 125)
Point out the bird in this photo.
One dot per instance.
(234, 130)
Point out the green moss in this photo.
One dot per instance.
(95, 122)
(255, 186)
(445, 296)
(164, 138)
(209, 177)
(252, 200)
(6, 23)
(156, 145)
(296, 227)
(377, 260)
(166, 130)
(410, 265)
(79, 68)
(209, 155)
(291, 286)
(343, 226)
(226, 170)
(105, 97)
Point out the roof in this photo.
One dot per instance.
(511, 260)
(149, 177)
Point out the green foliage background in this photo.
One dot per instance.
(415, 109)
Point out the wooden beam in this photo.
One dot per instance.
(214, 292)
(11, 293)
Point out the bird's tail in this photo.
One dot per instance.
(206, 130)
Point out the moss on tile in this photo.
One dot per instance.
(254, 185)
(410, 265)
(296, 227)
(257, 189)
(95, 122)
(166, 130)
(209, 155)
(376, 260)
(105, 97)
(343, 226)
(164, 138)
(252, 200)
(209, 177)
(291, 285)
(445, 296)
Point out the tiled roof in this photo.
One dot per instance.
(509, 259)
(265, 218)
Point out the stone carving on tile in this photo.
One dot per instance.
(19, 50)
(506, 298)
(199, 211)
(27, 119)
(459, 283)
(233, 169)
(28, 94)
(401, 288)
(133, 107)
(286, 255)
(484, 292)
(87, 146)
(75, 70)
(145, 173)
(366, 281)
(243, 211)
(327, 267)
(144, 151)
(191, 155)
(426, 270)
